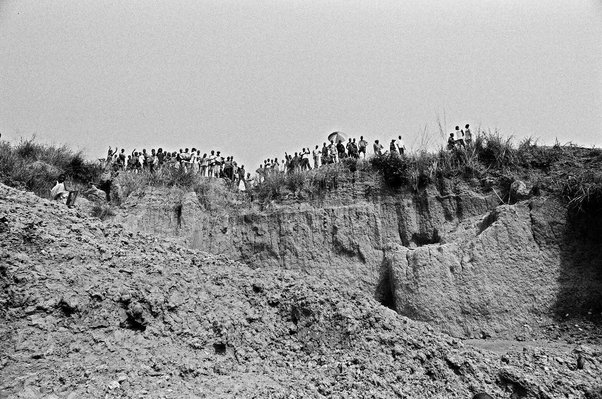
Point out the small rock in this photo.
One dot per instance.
(518, 190)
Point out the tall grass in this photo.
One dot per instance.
(131, 182)
(34, 166)
(489, 152)
(584, 191)
(312, 183)
(211, 192)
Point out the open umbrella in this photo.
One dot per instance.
(337, 136)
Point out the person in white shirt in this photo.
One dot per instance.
(219, 164)
(304, 155)
(141, 159)
(467, 135)
(363, 144)
(400, 146)
(316, 154)
(249, 182)
(59, 192)
(460, 137)
(378, 148)
(204, 164)
(211, 161)
(334, 154)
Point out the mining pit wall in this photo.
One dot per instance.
(460, 260)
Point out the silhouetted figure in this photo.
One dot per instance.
(451, 142)
(341, 150)
(393, 148)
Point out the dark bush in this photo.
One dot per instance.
(34, 166)
(495, 151)
(394, 169)
(584, 191)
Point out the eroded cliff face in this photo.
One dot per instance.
(455, 258)
(345, 242)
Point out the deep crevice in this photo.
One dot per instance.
(385, 290)
(490, 219)
(178, 211)
(425, 238)
(219, 348)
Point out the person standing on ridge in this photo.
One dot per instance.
(325, 155)
(378, 148)
(110, 154)
(393, 148)
(121, 159)
(211, 161)
(316, 155)
(219, 161)
(354, 153)
(341, 150)
(401, 146)
(304, 162)
(348, 147)
(451, 142)
(362, 146)
(460, 137)
(467, 134)
(332, 148)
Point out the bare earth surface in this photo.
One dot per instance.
(91, 310)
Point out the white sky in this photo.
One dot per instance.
(257, 78)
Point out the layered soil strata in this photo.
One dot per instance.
(454, 255)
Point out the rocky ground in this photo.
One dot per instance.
(88, 309)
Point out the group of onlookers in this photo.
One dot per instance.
(460, 138)
(218, 166)
(188, 160)
(332, 152)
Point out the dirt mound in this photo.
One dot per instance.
(89, 309)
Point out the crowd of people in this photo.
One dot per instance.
(213, 165)
(331, 152)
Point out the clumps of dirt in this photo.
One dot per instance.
(88, 309)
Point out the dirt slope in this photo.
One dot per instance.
(92, 310)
